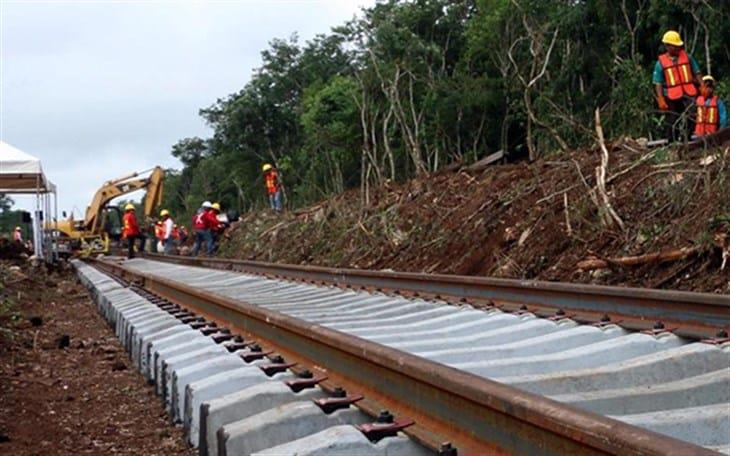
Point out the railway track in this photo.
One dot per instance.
(513, 367)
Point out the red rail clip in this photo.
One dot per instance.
(274, 368)
(330, 404)
(385, 426)
(299, 384)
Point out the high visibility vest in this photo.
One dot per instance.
(707, 116)
(678, 76)
(159, 230)
(199, 222)
(131, 228)
(271, 179)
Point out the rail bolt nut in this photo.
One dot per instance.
(560, 312)
(605, 318)
(721, 334)
(256, 348)
(238, 339)
(447, 449)
(277, 359)
(659, 325)
(523, 307)
(339, 392)
(385, 417)
(306, 373)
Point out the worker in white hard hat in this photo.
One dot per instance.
(168, 238)
(202, 227)
(676, 79)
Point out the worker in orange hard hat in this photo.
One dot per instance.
(273, 186)
(676, 79)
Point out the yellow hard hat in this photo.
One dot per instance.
(216, 206)
(708, 78)
(672, 37)
(129, 207)
(266, 167)
(164, 212)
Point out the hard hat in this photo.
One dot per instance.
(216, 206)
(672, 38)
(17, 228)
(164, 212)
(266, 167)
(129, 207)
(207, 204)
(708, 78)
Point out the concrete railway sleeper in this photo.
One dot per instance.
(230, 406)
(235, 396)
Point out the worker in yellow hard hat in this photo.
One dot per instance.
(711, 110)
(676, 80)
(168, 239)
(131, 231)
(273, 186)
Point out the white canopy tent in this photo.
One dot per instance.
(21, 173)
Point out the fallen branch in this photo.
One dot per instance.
(567, 214)
(657, 257)
(608, 214)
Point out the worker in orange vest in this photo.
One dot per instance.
(711, 111)
(203, 226)
(131, 231)
(273, 186)
(676, 79)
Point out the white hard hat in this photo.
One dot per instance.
(207, 204)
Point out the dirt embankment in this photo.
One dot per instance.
(546, 220)
(66, 385)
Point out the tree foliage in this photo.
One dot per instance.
(412, 86)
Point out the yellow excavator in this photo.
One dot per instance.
(103, 222)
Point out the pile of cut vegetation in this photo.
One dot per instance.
(620, 213)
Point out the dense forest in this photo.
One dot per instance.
(409, 87)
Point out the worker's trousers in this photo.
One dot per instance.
(679, 119)
(275, 200)
(169, 244)
(130, 244)
(203, 237)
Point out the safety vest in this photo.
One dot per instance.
(678, 76)
(159, 230)
(271, 180)
(199, 222)
(131, 228)
(707, 116)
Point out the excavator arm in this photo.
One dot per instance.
(118, 187)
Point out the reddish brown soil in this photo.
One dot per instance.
(83, 399)
(509, 220)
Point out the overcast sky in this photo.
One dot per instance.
(100, 89)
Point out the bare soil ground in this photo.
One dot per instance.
(84, 398)
(524, 220)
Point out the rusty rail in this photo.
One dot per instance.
(687, 314)
(477, 415)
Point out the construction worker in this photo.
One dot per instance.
(18, 235)
(131, 230)
(273, 186)
(160, 236)
(202, 225)
(711, 111)
(676, 78)
(168, 240)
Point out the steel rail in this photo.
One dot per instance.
(687, 314)
(478, 415)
